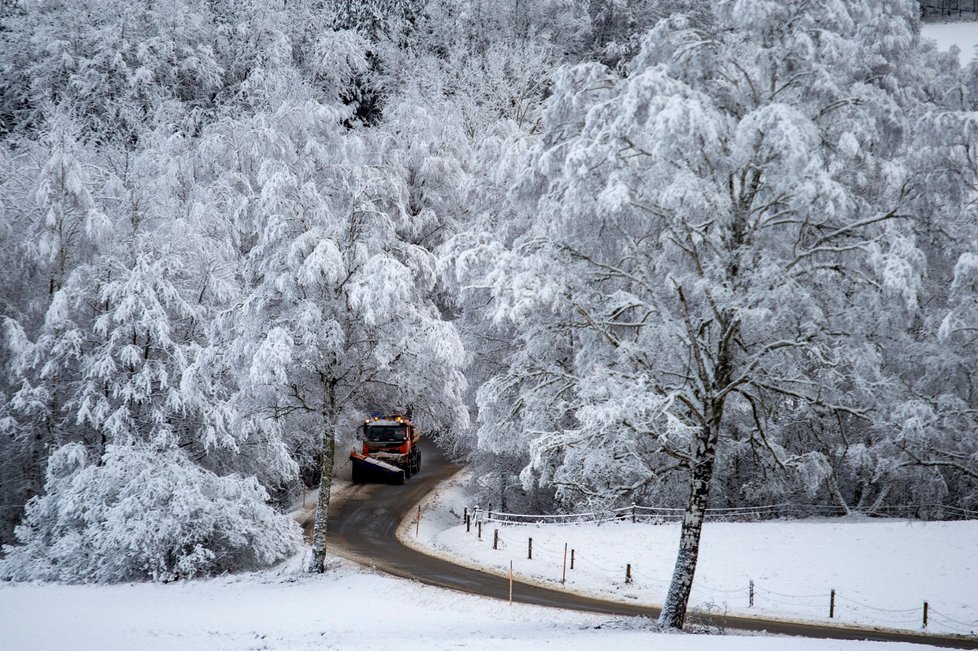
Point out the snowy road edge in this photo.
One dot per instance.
(406, 538)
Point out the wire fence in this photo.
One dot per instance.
(560, 564)
(655, 514)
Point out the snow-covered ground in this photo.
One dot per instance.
(882, 570)
(963, 35)
(347, 608)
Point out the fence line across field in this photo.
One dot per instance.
(963, 628)
(709, 588)
(820, 595)
(640, 513)
(649, 579)
(558, 555)
(915, 609)
(824, 605)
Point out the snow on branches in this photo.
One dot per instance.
(136, 513)
(713, 235)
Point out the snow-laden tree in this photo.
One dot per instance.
(136, 512)
(334, 317)
(372, 16)
(67, 222)
(20, 448)
(52, 224)
(701, 235)
(944, 396)
(469, 79)
(919, 450)
(114, 61)
(486, 67)
(220, 288)
(104, 371)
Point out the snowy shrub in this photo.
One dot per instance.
(139, 513)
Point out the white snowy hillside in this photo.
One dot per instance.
(963, 35)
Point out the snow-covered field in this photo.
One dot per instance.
(347, 608)
(882, 570)
(963, 35)
(354, 608)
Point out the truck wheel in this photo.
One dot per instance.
(400, 479)
(408, 470)
(417, 462)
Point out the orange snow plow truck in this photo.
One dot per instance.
(389, 452)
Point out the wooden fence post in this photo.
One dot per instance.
(750, 598)
(628, 573)
(563, 578)
(417, 527)
(529, 549)
(925, 614)
(468, 523)
(572, 559)
(633, 512)
(511, 583)
(495, 539)
(479, 523)
(832, 604)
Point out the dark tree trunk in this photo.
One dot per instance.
(677, 599)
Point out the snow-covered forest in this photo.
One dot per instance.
(607, 251)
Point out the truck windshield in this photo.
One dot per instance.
(385, 433)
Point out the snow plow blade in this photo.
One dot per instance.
(373, 470)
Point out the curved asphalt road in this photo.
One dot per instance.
(362, 526)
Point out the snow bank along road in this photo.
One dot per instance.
(362, 528)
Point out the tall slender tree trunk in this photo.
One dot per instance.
(322, 507)
(674, 610)
(836, 494)
(703, 454)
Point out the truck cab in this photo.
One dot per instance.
(391, 440)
